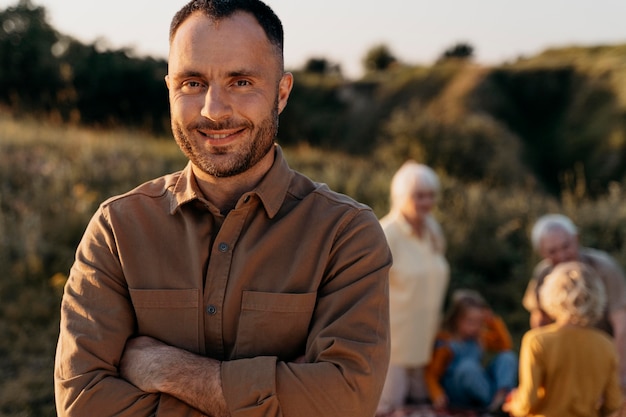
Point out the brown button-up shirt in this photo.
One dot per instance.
(294, 270)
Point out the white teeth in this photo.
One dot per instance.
(217, 137)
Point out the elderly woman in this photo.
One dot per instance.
(418, 281)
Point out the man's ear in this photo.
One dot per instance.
(540, 250)
(284, 89)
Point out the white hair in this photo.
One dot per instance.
(410, 177)
(549, 223)
(573, 293)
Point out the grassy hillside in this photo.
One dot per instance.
(510, 143)
(52, 178)
(548, 117)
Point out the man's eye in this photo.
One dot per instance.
(242, 83)
(191, 86)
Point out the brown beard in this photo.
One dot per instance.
(255, 150)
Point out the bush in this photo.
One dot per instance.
(53, 178)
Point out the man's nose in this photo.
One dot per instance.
(216, 104)
(561, 256)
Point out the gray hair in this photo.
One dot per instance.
(408, 178)
(549, 223)
(573, 293)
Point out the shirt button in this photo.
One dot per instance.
(223, 247)
(211, 309)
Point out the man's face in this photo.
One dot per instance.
(226, 89)
(559, 246)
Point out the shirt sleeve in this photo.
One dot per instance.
(529, 300)
(96, 320)
(531, 372)
(613, 399)
(441, 358)
(615, 283)
(347, 351)
(496, 336)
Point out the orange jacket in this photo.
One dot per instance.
(495, 338)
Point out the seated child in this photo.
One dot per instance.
(568, 368)
(456, 375)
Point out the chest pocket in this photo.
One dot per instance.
(274, 324)
(171, 316)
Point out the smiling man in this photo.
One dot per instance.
(236, 286)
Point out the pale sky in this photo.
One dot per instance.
(342, 31)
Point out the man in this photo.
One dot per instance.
(555, 238)
(236, 286)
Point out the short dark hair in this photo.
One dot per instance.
(220, 9)
(461, 301)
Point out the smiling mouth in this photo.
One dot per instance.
(221, 135)
(216, 137)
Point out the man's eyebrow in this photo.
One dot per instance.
(187, 74)
(230, 74)
(243, 73)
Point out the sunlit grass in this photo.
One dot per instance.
(52, 178)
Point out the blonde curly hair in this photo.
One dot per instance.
(573, 293)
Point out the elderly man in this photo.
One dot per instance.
(555, 238)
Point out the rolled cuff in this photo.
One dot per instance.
(249, 386)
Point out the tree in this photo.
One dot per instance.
(49, 74)
(321, 66)
(460, 51)
(30, 75)
(379, 58)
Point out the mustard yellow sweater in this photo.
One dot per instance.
(566, 371)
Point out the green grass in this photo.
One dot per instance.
(53, 177)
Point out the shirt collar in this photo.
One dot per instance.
(271, 190)
(402, 223)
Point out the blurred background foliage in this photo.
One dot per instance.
(79, 123)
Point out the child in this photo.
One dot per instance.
(568, 368)
(456, 375)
